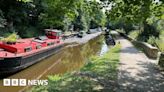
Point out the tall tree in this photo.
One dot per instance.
(55, 11)
(136, 12)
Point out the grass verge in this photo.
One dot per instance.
(98, 75)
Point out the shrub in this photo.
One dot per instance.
(28, 32)
(152, 40)
(160, 44)
(134, 34)
(11, 38)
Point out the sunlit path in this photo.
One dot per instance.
(137, 73)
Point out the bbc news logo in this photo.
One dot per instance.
(23, 82)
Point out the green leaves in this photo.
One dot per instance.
(60, 14)
(135, 11)
(57, 11)
(2, 20)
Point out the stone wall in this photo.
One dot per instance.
(149, 50)
(161, 60)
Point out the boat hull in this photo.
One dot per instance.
(12, 65)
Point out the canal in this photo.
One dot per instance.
(70, 58)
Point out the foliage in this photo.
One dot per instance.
(157, 42)
(152, 40)
(22, 15)
(149, 30)
(82, 14)
(2, 20)
(83, 19)
(134, 34)
(100, 72)
(18, 14)
(136, 12)
(90, 15)
(148, 15)
(11, 38)
(56, 11)
(29, 31)
(160, 44)
(98, 18)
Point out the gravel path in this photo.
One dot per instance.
(137, 73)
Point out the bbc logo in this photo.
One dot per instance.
(14, 82)
(23, 82)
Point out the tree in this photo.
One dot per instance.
(56, 11)
(136, 12)
(2, 20)
(90, 15)
(28, 16)
(98, 16)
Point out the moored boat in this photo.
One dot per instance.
(26, 52)
(108, 38)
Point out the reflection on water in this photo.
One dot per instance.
(104, 48)
(68, 59)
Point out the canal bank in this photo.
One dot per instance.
(98, 75)
(82, 40)
(69, 58)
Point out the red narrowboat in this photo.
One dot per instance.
(25, 52)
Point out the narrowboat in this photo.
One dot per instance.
(81, 34)
(108, 38)
(26, 52)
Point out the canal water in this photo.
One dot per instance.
(70, 58)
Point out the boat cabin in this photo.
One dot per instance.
(53, 34)
(51, 38)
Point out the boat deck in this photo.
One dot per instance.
(23, 43)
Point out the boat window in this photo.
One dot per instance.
(50, 43)
(54, 34)
(59, 33)
(50, 33)
(27, 49)
(1, 49)
(41, 38)
(38, 46)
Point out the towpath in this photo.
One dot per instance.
(82, 40)
(137, 73)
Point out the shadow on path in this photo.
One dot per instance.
(137, 73)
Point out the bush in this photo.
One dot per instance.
(148, 31)
(28, 32)
(11, 38)
(134, 34)
(160, 44)
(157, 42)
(152, 40)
